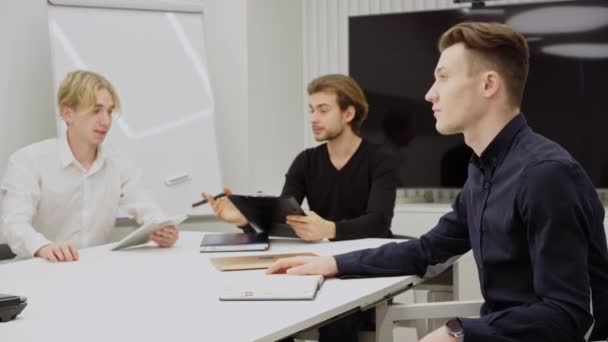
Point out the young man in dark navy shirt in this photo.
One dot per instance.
(527, 210)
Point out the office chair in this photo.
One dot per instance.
(6, 252)
(405, 314)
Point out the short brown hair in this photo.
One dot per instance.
(498, 45)
(349, 94)
(77, 90)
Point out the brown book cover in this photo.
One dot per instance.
(251, 262)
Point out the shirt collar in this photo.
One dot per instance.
(65, 153)
(67, 157)
(497, 149)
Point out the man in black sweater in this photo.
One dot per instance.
(349, 183)
(528, 210)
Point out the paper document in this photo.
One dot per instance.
(273, 287)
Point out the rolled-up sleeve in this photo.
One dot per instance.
(135, 199)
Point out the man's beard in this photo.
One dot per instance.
(330, 135)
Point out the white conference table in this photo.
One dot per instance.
(154, 294)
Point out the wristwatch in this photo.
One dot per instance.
(454, 328)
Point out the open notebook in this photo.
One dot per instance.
(273, 287)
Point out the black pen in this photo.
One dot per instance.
(201, 202)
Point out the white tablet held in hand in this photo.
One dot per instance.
(141, 234)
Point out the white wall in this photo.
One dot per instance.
(254, 53)
(255, 60)
(226, 35)
(26, 100)
(274, 44)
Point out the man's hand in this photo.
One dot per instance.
(165, 236)
(324, 265)
(439, 335)
(312, 227)
(225, 210)
(60, 251)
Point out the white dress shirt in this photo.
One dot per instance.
(49, 197)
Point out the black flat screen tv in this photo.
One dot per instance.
(393, 56)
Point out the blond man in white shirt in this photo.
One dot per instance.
(63, 194)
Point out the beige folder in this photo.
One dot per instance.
(251, 262)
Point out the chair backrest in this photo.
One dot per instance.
(6, 252)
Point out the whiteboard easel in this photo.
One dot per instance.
(153, 53)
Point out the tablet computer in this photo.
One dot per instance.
(140, 235)
(268, 213)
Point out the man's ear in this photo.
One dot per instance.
(67, 114)
(492, 82)
(349, 114)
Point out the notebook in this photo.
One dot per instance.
(251, 262)
(232, 242)
(272, 287)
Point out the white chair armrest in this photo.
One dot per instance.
(408, 312)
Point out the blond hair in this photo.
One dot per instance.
(497, 45)
(78, 90)
(349, 94)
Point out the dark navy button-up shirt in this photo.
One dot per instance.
(534, 222)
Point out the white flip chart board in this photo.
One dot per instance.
(153, 53)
